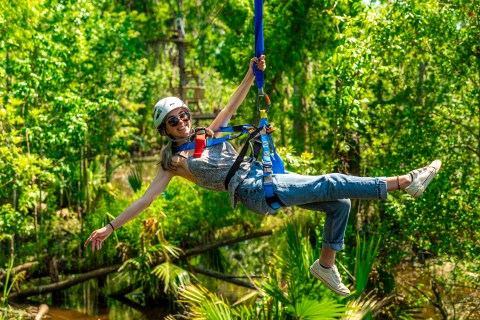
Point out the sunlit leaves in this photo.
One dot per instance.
(172, 276)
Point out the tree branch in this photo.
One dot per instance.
(64, 284)
(470, 130)
(476, 152)
(223, 277)
(226, 242)
(17, 269)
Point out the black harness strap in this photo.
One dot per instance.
(257, 146)
(255, 152)
(240, 157)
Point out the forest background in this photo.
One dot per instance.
(370, 89)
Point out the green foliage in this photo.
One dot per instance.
(294, 291)
(309, 310)
(303, 164)
(135, 179)
(192, 215)
(11, 280)
(172, 276)
(361, 308)
(154, 263)
(204, 304)
(288, 292)
(12, 220)
(215, 260)
(365, 255)
(447, 288)
(366, 88)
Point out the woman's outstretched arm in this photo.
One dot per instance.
(154, 190)
(238, 96)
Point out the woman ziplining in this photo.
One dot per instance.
(262, 187)
(209, 167)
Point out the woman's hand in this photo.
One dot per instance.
(239, 95)
(98, 236)
(259, 63)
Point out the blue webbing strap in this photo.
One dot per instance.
(268, 169)
(259, 46)
(243, 128)
(277, 162)
(208, 143)
(270, 164)
(211, 142)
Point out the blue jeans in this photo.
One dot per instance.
(329, 193)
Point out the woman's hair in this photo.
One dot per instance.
(166, 153)
(166, 162)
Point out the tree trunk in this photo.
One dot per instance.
(338, 90)
(64, 284)
(54, 278)
(299, 116)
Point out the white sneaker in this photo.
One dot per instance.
(421, 178)
(330, 277)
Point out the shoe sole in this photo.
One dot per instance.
(429, 179)
(325, 282)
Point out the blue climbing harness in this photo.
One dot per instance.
(261, 135)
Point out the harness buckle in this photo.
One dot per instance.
(267, 179)
(251, 129)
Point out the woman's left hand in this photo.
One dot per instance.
(97, 237)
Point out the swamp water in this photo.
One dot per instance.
(88, 301)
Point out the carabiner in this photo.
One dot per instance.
(266, 106)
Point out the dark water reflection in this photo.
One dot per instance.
(115, 310)
(91, 301)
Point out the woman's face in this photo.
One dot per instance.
(178, 123)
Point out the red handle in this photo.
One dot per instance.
(199, 145)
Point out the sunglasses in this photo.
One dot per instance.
(174, 121)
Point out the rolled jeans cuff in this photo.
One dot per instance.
(382, 188)
(337, 246)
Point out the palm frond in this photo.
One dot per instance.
(172, 276)
(272, 289)
(360, 307)
(134, 263)
(249, 297)
(326, 309)
(167, 248)
(18, 278)
(204, 305)
(248, 312)
(365, 254)
(296, 248)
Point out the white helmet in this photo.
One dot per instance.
(163, 107)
